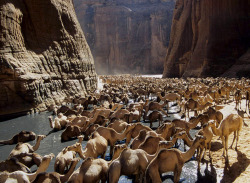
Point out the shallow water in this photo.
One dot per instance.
(52, 143)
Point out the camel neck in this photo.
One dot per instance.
(65, 178)
(36, 146)
(192, 125)
(42, 168)
(82, 153)
(188, 155)
(216, 131)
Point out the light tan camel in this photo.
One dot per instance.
(119, 114)
(24, 152)
(133, 115)
(94, 147)
(112, 136)
(12, 164)
(90, 129)
(118, 125)
(94, 170)
(23, 136)
(20, 176)
(232, 123)
(150, 144)
(206, 131)
(59, 122)
(191, 104)
(202, 107)
(55, 177)
(170, 160)
(63, 160)
(139, 139)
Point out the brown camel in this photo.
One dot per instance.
(20, 176)
(70, 132)
(206, 131)
(232, 123)
(154, 116)
(130, 162)
(63, 160)
(86, 173)
(237, 98)
(24, 152)
(95, 146)
(119, 114)
(23, 136)
(139, 139)
(170, 160)
(90, 129)
(187, 126)
(135, 131)
(191, 104)
(214, 115)
(112, 136)
(55, 177)
(156, 106)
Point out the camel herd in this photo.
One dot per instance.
(124, 111)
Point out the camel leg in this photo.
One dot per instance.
(209, 148)
(177, 174)
(114, 172)
(237, 138)
(233, 140)
(128, 138)
(164, 112)
(223, 144)
(226, 147)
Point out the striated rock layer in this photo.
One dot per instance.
(209, 38)
(44, 56)
(126, 36)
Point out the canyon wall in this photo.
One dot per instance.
(44, 56)
(209, 38)
(126, 36)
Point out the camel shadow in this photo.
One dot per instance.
(215, 146)
(209, 175)
(234, 171)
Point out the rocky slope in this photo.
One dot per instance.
(209, 38)
(43, 55)
(126, 36)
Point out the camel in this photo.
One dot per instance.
(23, 136)
(63, 160)
(156, 106)
(55, 177)
(232, 123)
(24, 152)
(112, 136)
(214, 115)
(70, 132)
(187, 125)
(153, 116)
(150, 144)
(170, 160)
(191, 104)
(86, 173)
(208, 134)
(119, 114)
(135, 131)
(130, 162)
(90, 129)
(133, 115)
(95, 146)
(139, 139)
(118, 125)
(237, 97)
(12, 164)
(20, 176)
(59, 123)
(201, 108)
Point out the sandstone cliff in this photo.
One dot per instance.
(208, 38)
(43, 55)
(126, 36)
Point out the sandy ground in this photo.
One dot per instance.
(238, 169)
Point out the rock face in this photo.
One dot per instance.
(126, 36)
(44, 56)
(209, 38)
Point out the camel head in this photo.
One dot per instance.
(180, 135)
(77, 147)
(199, 139)
(118, 149)
(40, 137)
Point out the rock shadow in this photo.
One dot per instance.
(234, 171)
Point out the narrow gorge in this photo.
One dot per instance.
(126, 36)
